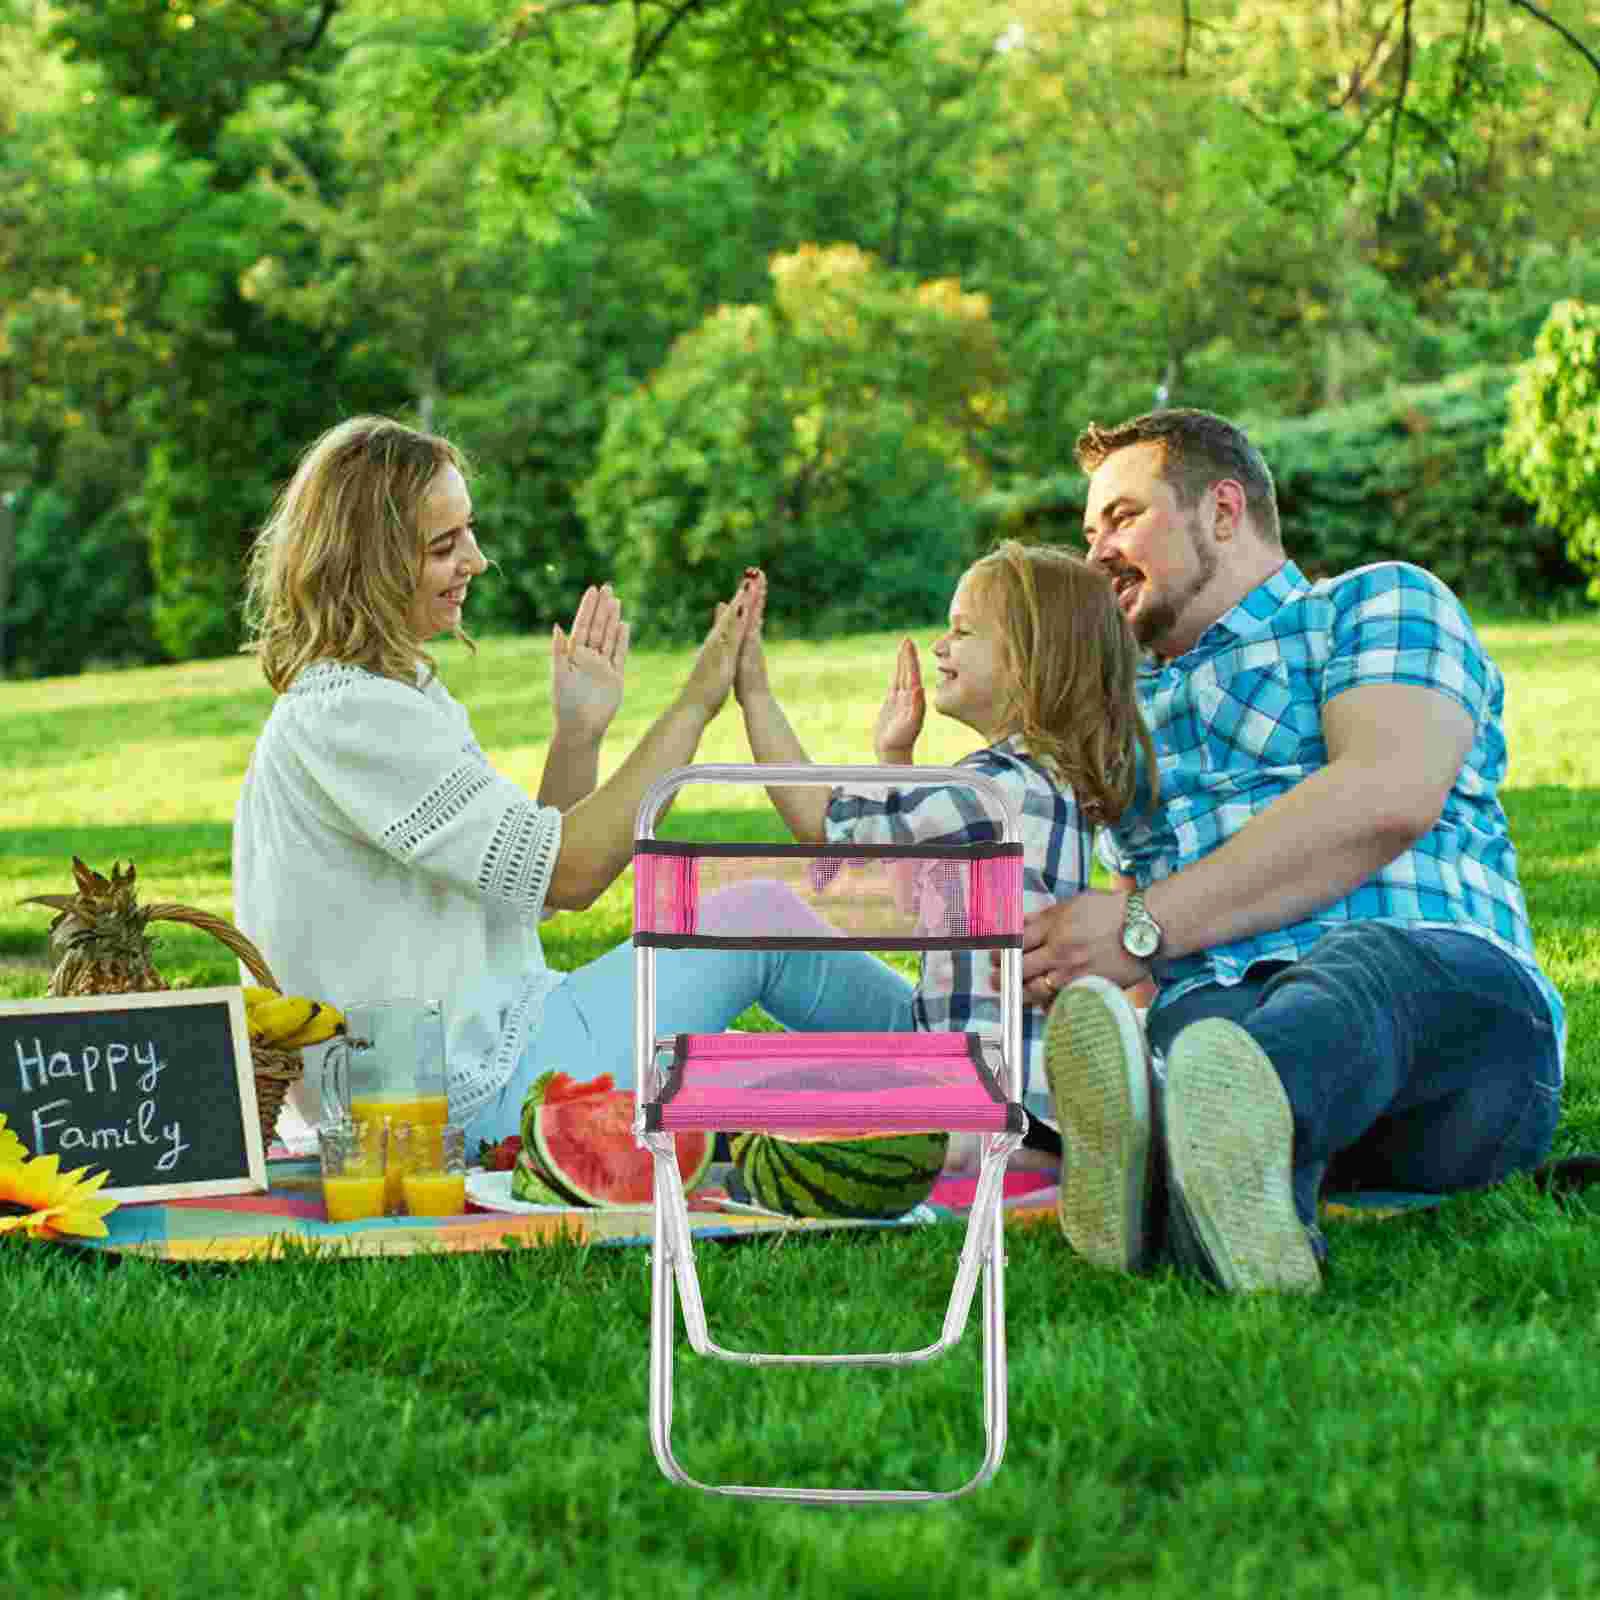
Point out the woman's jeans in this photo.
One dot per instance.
(588, 1021)
(1412, 1058)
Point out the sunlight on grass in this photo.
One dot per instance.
(1420, 1429)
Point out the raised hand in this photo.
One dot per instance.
(711, 677)
(900, 717)
(587, 668)
(750, 676)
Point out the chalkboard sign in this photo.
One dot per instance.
(157, 1089)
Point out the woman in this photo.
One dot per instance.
(376, 852)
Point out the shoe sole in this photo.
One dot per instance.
(1230, 1144)
(1094, 1058)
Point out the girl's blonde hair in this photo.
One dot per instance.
(334, 572)
(1074, 662)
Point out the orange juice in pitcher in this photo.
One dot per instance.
(389, 1064)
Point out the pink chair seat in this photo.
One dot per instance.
(831, 1083)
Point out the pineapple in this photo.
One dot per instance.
(99, 940)
(100, 946)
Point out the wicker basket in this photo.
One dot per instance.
(275, 1069)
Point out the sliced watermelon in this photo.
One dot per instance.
(577, 1139)
(531, 1184)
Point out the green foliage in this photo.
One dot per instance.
(699, 74)
(1400, 478)
(79, 577)
(226, 224)
(1404, 478)
(809, 438)
(195, 65)
(1550, 453)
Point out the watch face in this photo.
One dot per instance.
(1140, 939)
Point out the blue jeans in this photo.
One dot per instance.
(588, 1021)
(1412, 1058)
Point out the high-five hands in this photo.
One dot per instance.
(900, 717)
(587, 668)
(750, 679)
(712, 675)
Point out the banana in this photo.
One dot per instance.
(273, 1021)
(323, 1023)
(289, 1021)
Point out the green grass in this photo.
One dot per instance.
(466, 1425)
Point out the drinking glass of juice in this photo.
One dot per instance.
(432, 1162)
(389, 1062)
(400, 1112)
(354, 1161)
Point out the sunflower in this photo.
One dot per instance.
(10, 1145)
(37, 1197)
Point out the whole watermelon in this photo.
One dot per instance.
(877, 1176)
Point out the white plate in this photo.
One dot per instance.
(492, 1191)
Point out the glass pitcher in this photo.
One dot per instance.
(389, 1062)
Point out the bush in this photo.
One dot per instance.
(1401, 478)
(1406, 478)
(833, 438)
(82, 588)
(1550, 452)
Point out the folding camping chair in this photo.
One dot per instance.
(908, 897)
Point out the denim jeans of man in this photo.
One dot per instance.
(1413, 1059)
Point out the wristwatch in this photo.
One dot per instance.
(1141, 933)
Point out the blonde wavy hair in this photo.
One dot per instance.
(333, 574)
(1073, 662)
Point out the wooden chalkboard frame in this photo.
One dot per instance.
(253, 1178)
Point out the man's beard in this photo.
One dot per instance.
(1156, 619)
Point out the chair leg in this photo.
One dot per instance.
(977, 1246)
(673, 1279)
(671, 1199)
(662, 1322)
(994, 1350)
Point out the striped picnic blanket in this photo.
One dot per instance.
(290, 1215)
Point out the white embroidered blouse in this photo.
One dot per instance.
(377, 855)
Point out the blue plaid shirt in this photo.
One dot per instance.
(1237, 722)
(955, 990)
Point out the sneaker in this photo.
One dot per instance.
(1099, 1075)
(1230, 1147)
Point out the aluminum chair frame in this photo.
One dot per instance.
(672, 1264)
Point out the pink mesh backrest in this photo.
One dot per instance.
(883, 898)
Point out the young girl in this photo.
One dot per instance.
(1040, 664)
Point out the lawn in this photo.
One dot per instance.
(478, 1425)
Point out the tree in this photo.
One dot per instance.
(697, 71)
(1551, 450)
(196, 62)
(832, 437)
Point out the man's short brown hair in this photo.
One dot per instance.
(1198, 449)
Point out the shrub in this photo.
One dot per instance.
(833, 438)
(1404, 477)
(1550, 451)
(81, 590)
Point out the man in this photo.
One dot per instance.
(1325, 894)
